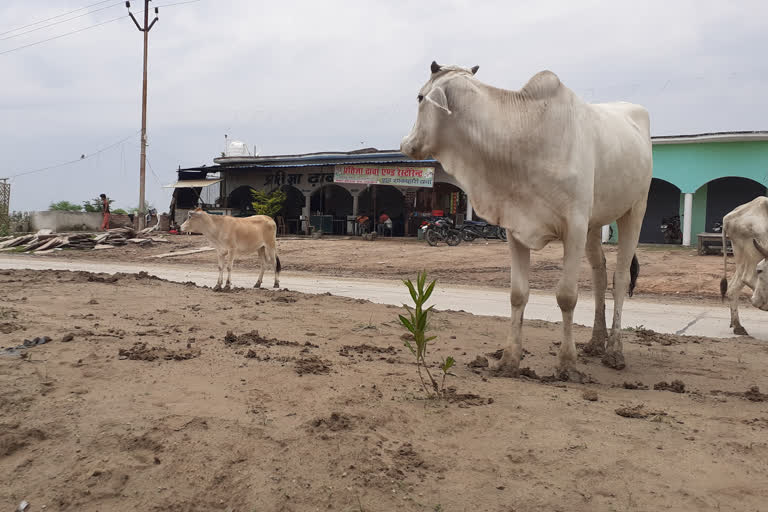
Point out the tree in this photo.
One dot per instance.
(268, 204)
(94, 205)
(120, 211)
(65, 206)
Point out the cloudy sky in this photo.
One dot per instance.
(299, 76)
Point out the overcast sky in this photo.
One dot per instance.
(299, 76)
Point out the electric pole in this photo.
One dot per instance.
(143, 165)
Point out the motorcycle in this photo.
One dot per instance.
(441, 229)
(717, 227)
(472, 230)
(670, 226)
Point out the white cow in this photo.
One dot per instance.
(746, 226)
(230, 235)
(546, 166)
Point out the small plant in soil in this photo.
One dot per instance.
(417, 324)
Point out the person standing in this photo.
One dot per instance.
(105, 210)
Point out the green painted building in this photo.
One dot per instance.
(702, 178)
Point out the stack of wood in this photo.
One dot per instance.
(45, 241)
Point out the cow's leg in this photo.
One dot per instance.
(230, 261)
(596, 257)
(276, 259)
(568, 292)
(518, 296)
(734, 292)
(220, 257)
(629, 234)
(262, 264)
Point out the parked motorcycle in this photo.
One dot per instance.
(472, 230)
(717, 227)
(670, 226)
(441, 229)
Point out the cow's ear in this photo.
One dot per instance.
(474, 69)
(437, 97)
(435, 67)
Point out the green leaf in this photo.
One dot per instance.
(429, 291)
(422, 279)
(431, 338)
(410, 347)
(407, 323)
(448, 364)
(414, 296)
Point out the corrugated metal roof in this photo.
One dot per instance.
(323, 164)
(192, 183)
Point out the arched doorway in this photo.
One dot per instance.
(663, 202)
(725, 194)
(378, 199)
(294, 204)
(241, 201)
(329, 207)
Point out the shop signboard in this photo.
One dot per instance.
(402, 176)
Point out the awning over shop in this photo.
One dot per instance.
(192, 183)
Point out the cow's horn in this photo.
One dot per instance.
(474, 69)
(435, 67)
(760, 248)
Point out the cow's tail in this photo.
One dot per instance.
(277, 264)
(634, 271)
(724, 280)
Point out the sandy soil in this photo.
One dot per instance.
(142, 401)
(664, 270)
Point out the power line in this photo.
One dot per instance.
(54, 17)
(86, 28)
(61, 35)
(59, 22)
(83, 157)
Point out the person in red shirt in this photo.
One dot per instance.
(105, 209)
(385, 224)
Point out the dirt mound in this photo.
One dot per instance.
(13, 440)
(9, 327)
(347, 350)
(676, 386)
(638, 412)
(634, 385)
(312, 365)
(753, 394)
(254, 338)
(465, 399)
(334, 423)
(142, 352)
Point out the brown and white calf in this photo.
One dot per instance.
(231, 236)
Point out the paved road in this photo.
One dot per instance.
(662, 317)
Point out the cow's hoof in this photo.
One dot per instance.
(594, 348)
(614, 360)
(227, 287)
(739, 330)
(277, 285)
(217, 288)
(257, 285)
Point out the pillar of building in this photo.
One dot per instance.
(305, 212)
(687, 219)
(606, 234)
(355, 202)
(469, 209)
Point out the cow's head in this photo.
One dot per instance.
(760, 293)
(435, 104)
(194, 222)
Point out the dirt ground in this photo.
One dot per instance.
(153, 395)
(664, 270)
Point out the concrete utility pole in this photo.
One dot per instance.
(142, 173)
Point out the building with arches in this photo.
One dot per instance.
(698, 177)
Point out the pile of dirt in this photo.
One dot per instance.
(12, 438)
(753, 394)
(254, 338)
(676, 386)
(142, 352)
(634, 385)
(9, 327)
(465, 400)
(347, 350)
(638, 412)
(335, 422)
(312, 365)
